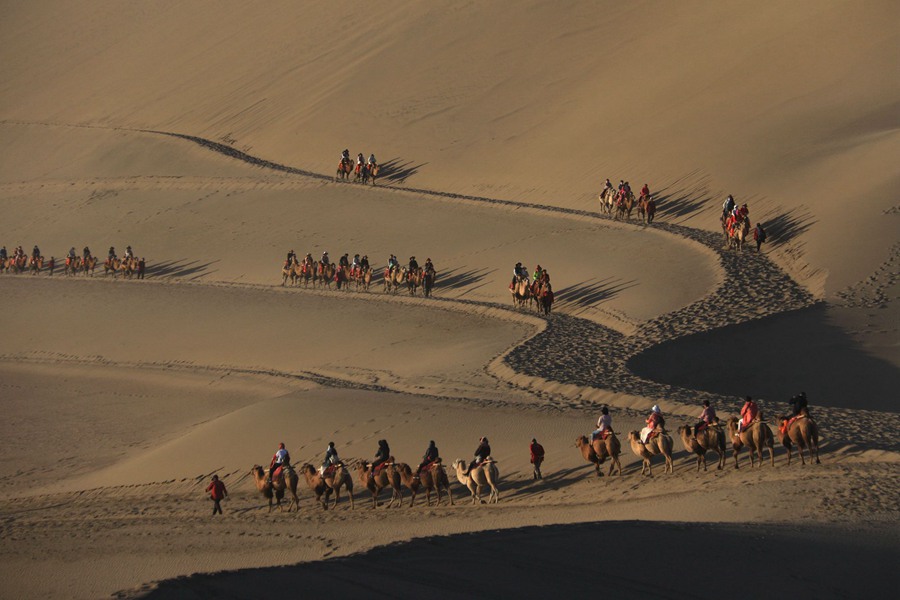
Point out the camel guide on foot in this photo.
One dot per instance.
(281, 460)
(537, 457)
(217, 493)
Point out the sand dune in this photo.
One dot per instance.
(206, 136)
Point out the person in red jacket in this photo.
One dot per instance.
(645, 191)
(537, 457)
(749, 413)
(217, 492)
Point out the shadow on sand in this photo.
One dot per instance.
(174, 269)
(588, 293)
(556, 561)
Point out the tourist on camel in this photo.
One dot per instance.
(707, 417)
(481, 453)
(749, 413)
(280, 459)
(364, 263)
(381, 456)
(799, 404)
(431, 455)
(604, 425)
(331, 458)
(645, 191)
(413, 264)
(654, 421)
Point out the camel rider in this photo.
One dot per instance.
(331, 458)
(35, 252)
(626, 190)
(728, 205)
(538, 272)
(431, 455)
(111, 255)
(429, 266)
(608, 186)
(749, 413)
(621, 186)
(654, 421)
(281, 459)
(325, 260)
(413, 265)
(3, 255)
(345, 157)
(128, 253)
(393, 263)
(72, 254)
(360, 161)
(381, 456)
(355, 263)
(291, 257)
(364, 263)
(86, 252)
(799, 404)
(344, 260)
(708, 416)
(481, 454)
(645, 191)
(371, 161)
(604, 424)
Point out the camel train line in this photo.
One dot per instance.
(392, 476)
(344, 276)
(74, 265)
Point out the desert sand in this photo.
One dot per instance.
(206, 135)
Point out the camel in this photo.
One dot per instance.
(624, 207)
(755, 437)
(325, 274)
(545, 297)
(660, 444)
(332, 481)
(277, 486)
(484, 474)
(428, 282)
(288, 272)
(521, 292)
(72, 266)
(804, 433)
(88, 265)
(597, 452)
(344, 169)
(431, 478)
(738, 234)
(646, 209)
(382, 480)
(112, 264)
(607, 200)
(414, 281)
(36, 264)
(393, 280)
(711, 438)
(373, 172)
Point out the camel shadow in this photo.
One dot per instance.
(180, 269)
(527, 487)
(460, 278)
(588, 293)
(396, 170)
(787, 226)
(684, 197)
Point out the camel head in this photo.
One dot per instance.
(634, 436)
(257, 471)
(459, 464)
(580, 441)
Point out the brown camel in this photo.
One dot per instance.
(738, 234)
(711, 438)
(393, 280)
(597, 452)
(431, 478)
(484, 474)
(377, 483)
(803, 433)
(88, 265)
(624, 207)
(277, 486)
(332, 481)
(755, 437)
(660, 444)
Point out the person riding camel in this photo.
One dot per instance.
(654, 422)
(413, 265)
(799, 404)
(128, 254)
(331, 458)
(431, 455)
(371, 162)
(538, 273)
(3, 255)
(291, 257)
(429, 266)
(345, 157)
(355, 268)
(364, 263)
(111, 255)
(481, 454)
(72, 254)
(727, 206)
(381, 456)
(360, 161)
(706, 418)
(645, 191)
(393, 264)
(86, 253)
(325, 259)
(604, 425)
(608, 186)
(281, 459)
(35, 252)
(344, 261)
(749, 414)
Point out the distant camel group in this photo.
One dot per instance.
(319, 274)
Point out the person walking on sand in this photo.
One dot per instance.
(217, 493)
(759, 234)
(537, 457)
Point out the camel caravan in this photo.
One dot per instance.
(357, 274)
(533, 291)
(128, 266)
(620, 202)
(365, 170)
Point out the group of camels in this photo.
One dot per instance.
(538, 293)
(736, 234)
(801, 432)
(19, 263)
(394, 476)
(127, 267)
(618, 205)
(321, 274)
(360, 174)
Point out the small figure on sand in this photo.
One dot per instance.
(537, 457)
(217, 493)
